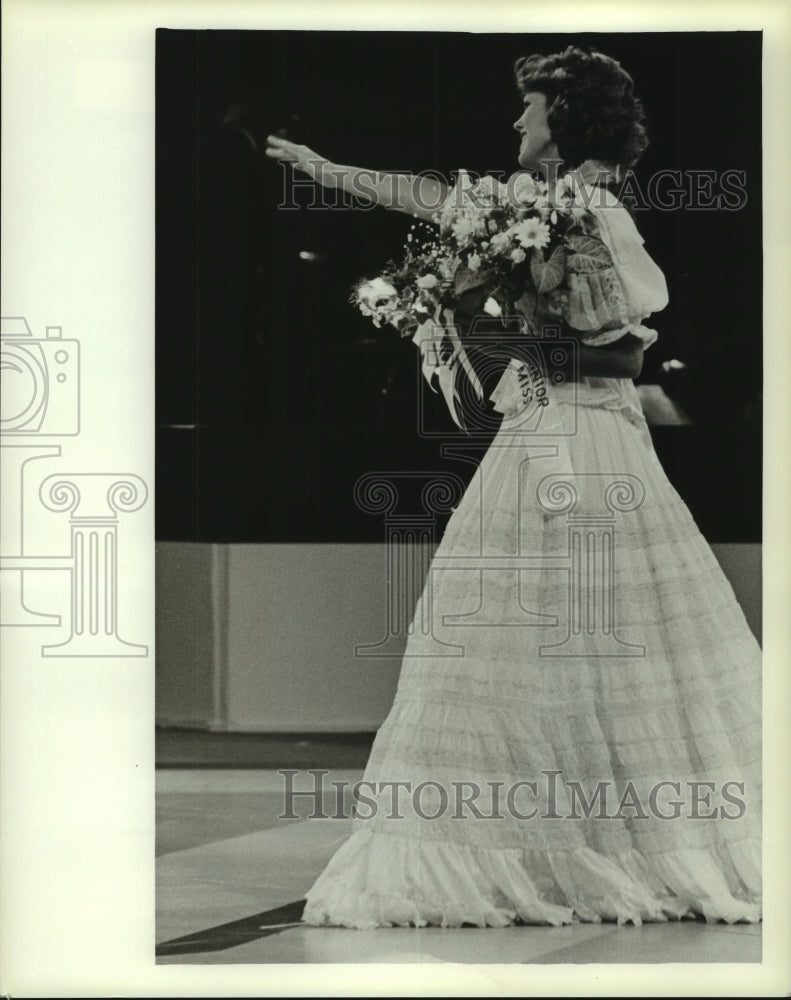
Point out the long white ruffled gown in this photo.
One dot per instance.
(603, 652)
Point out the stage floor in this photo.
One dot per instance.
(232, 877)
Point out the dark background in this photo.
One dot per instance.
(274, 394)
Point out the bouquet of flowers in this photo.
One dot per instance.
(503, 249)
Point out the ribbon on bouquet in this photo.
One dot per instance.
(435, 360)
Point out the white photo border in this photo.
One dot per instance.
(78, 732)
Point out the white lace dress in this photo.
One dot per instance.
(581, 716)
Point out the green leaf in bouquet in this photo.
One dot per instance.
(466, 280)
(587, 254)
(547, 273)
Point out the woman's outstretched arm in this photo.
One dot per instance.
(416, 194)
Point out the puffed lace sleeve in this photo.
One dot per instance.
(612, 302)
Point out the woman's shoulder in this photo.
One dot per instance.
(610, 214)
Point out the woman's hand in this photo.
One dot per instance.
(621, 359)
(302, 157)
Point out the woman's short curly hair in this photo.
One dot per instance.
(592, 111)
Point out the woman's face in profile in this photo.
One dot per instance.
(537, 144)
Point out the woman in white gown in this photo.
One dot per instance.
(586, 743)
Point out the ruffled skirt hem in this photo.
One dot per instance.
(376, 880)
